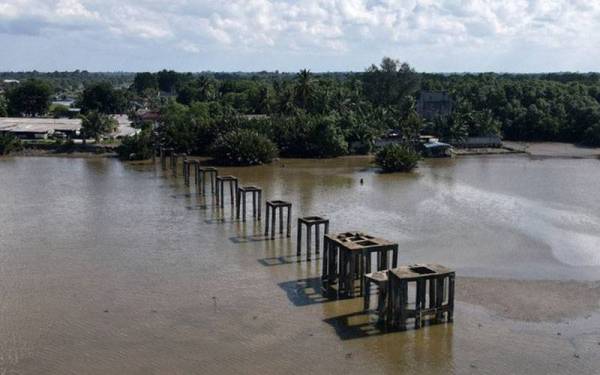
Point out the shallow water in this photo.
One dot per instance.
(108, 267)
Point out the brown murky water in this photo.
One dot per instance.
(108, 267)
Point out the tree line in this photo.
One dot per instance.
(329, 114)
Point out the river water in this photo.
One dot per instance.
(110, 267)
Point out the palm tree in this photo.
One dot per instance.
(303, 88)
(264, 102)
(204, 88)
(95, 124)
(286, 101)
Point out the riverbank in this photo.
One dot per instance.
(554, 149)
(485, 151)
(66, 150)
(531, 300)
(536, 149)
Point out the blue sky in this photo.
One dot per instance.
(285, 35)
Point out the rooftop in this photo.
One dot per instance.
(50, 125)
(38, 125)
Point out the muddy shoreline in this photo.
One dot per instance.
(534, 149)
(531, 300)
(555, 149)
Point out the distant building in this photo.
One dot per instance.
(42, 128)
(125, 128)
(391, 136)
(146, 115)
(432, 104)
(254, 117)
(8, 83)
(435, 149)
(491, 141)
(428, 145)
(67, 102)
(39, 128)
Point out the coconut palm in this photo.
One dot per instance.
(95, 124)
(304, 89)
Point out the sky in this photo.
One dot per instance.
(286, 35)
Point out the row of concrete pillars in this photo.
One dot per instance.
(347, 257)
(218, 185)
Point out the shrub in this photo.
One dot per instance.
(136, 147)
(327, 139)
(397, 158)
(65, 147)
(9, 143)
(592, 135)
(309, 136)
(95, 124)
(243, 147)
(60, 111)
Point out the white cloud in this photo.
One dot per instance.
(187, 46)
(350, 29)
(74, 8)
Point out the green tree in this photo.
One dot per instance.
(102, 97)
(95, 124)
(397, 158)
(388, 83)
(9, 143)
(3, 107)
(326, 138)
(360, 135)
(202, 89)
(259, 100)
(449, 128)
(303, 89)
(483, 123)
(312, 136)
(137, 147)
(167, 80)
(192, 129)
(144, 83)
(285, 101)
(243, 147)
(30, 98)
(592, 135)
(60, 111)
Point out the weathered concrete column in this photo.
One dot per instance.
(232, 182)
(208, 174)
(271, 213)
(309, 222)
(256, 201)
(430, 282)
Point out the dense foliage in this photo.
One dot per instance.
(95, 124)
(390, 83)
(558, 107)
(30, 98)
(145, 83)
(243, 147)
(9, 143)
(102, 97)
(70, 82)
(136, 147)
(397, 158)
(60, 111)
(3, 107)
(327, 114)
